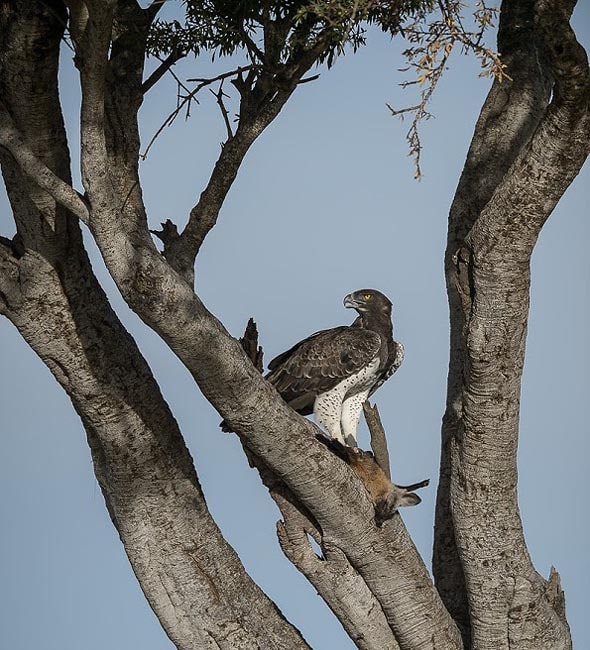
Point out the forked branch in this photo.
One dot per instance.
(36, 170)
(185, 101)
(334, 578)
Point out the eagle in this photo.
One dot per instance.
(332, 372)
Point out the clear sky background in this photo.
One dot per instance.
(325, 204)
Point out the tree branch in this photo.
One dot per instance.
(385, 558)
(341, 587)
(141, 462)
(161, 70)
(508, 118)
(204, 214)
(144, 469)
(36, 170)
(219, 95)
(335, 580)
(94, 48)
(188, 98)
(9, 275)
(153, 8)
(262, 99)
(378, 437)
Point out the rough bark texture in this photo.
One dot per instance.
(192, 578)
(526, 150)
(336, 581)
(387, 560)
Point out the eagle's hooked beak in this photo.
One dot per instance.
(351, 301)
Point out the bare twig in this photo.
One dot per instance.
(180, 84)
(220, 77)
(307, 79)
(253, 50)
(188, 98)
(219, 95)
(429, 53)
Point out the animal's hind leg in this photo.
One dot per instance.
(327, 410)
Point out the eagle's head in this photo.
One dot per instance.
(368, 300)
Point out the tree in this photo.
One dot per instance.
(531, 139)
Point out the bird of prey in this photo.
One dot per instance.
(332, 372)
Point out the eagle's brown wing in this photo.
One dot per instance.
(320, 362)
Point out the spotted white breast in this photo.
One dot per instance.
(338, 410)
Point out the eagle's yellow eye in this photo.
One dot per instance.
(367, 296)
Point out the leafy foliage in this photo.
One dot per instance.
(225, 26)
(275, 35)
(431, 44)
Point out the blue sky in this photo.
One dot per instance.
(325, 204)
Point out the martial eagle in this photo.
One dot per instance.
(332, 372)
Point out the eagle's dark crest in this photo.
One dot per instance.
(331, 373)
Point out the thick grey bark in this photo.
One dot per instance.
(335, 579)
(525, 152)
(202, 597)
(343, 589)
(332, 575)
(386, 559)
(530, 150)
(192, 578)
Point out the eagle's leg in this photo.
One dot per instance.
(327, 410)
(351, 413)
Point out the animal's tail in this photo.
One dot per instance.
(415, 486)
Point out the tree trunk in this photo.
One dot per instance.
(529, 144)
(192, 578)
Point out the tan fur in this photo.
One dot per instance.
(373, 477)
(385, 495)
